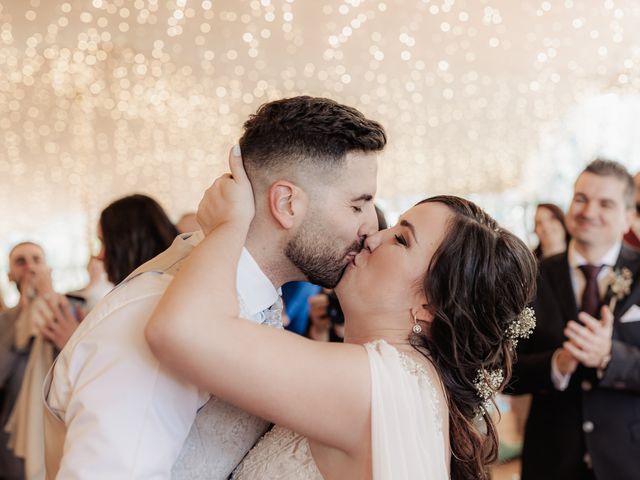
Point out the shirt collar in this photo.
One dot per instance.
(256, 290)
(254, 287)
(609, 258)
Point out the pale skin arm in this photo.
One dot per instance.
(319, 390)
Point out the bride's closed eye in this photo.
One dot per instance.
(401, 240)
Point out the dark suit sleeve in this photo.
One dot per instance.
(531, 373)
(532, 367)
(623, 371)
(7, 354)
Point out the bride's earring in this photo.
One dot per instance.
(416, 326)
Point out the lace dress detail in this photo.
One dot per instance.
(418, 370)
(219, 437)
(409, 417)
(409, 428)
(281, 454)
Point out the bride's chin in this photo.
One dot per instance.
(343, 284)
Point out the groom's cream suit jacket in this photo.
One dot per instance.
(113, 412)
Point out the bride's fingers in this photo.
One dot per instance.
(235, 164)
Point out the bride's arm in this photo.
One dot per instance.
(318, 389)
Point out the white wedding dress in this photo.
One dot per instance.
(409, 428)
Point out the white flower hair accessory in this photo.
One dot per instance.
(488, 382)
(522, 326)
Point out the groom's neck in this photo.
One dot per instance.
(268, 252)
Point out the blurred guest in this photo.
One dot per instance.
(632, 237)
(98, 286)
(551, 231)
(295, 297)
(3, 307)
(132, 230)
(188, 223)
(29, 334)
(553, 239)
(584, 372)
(326, 320)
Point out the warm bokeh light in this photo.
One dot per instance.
(102, 98)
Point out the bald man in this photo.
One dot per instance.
(33, 328)
(28, 269)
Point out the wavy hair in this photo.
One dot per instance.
(479, 280)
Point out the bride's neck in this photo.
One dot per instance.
(367, 328)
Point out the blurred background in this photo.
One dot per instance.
(503, 102)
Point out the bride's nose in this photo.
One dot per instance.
(373, 241)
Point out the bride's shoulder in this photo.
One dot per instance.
(408, 398)
(383, 356)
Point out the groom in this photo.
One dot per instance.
(112, 411)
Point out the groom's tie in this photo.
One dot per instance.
(273, 315)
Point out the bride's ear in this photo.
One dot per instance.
(288, 203)
(422, 311)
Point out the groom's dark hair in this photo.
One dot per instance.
(306, 132)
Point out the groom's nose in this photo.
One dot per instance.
(369, 225)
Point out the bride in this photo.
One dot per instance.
(433, 311)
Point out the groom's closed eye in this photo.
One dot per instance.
(360, 202)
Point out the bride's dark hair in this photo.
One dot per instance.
(479, 280)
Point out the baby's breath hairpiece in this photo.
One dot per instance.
(488, 382)
(522, 326)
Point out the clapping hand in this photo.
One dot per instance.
(229, 199)
(59, 327)
(566, 362)
(590, 343)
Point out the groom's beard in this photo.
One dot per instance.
(322, 263)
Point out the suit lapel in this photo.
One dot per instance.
(631, 260)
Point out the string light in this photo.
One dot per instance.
(101, 98)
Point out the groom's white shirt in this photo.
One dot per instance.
(125, 415)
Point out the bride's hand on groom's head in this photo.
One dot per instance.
(229, 199)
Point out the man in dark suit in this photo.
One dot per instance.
(582, 364)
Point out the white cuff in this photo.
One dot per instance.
(560, 381)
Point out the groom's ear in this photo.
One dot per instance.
(288, 203)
